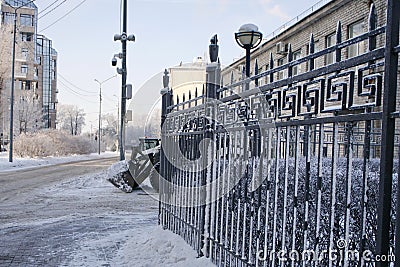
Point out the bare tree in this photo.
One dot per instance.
(109, 131)
(5, 72)
(71, 118)
(27, 109)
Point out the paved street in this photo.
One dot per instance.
(64, 216)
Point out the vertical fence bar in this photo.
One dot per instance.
(296, 187)
(276, 187)
(349, 167)
(388, 132)
(332, 214)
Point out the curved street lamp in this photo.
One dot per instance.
(100, 99)
(248, 37)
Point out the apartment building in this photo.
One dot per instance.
(34, 72)
(321, 21)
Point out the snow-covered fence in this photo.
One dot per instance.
(299, 168)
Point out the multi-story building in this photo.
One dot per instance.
(321, 21)
(186, 78)
(47, 72)
(34, 72)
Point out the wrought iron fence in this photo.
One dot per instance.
(294, 171)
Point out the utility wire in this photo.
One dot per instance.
(48, 12)
(44, 9)
(70, 91)
(75, 92)
(83, 90)
(66, 14)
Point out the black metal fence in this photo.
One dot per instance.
(299, 171)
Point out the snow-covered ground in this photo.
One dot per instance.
(24, 163)
(85, 221)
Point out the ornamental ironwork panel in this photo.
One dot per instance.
(297, 170)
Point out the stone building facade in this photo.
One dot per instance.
(322, 23)
(35, 83)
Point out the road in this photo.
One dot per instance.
(60, 215)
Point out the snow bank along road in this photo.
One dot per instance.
(69, 215)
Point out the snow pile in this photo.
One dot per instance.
(118, 174)
(51, 143)
(158, 247)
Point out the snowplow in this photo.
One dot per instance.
(144, 163)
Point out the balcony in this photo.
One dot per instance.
(21, 75)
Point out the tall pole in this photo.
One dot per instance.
(100, 99)
(247, 61)
(99, 137)
(10, 155)
(123, 89)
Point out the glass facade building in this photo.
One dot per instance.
(47, 59)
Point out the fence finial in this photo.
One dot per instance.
(290, 59)
(372, 25)
(256, 71)
(166, 79)
(271, 66)
(338, 41)
(213, 49)
(311, 51)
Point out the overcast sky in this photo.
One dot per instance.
(167, 32)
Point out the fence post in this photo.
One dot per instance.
(166, 102)
(388, 132)
(213, 74)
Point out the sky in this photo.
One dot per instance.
(167, 32)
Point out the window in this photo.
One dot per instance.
(53, 64)
(282, 74)
(26, 36)
(7, 18)
(297, 68)
(355, 30)
(26, 20)
(24, 68)
(25, 85)
(330, 40)
(24, 53)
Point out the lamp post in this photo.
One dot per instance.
(100, 99)
(248, 37)
(123, 37)
(10, 155)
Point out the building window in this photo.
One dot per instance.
(53, 64)
(7, 18)
(355, 30)
(25, 53)
(24, 69)
(26, 36)
(330, 40)
(26, 20)
(282, 74)
(297, 68)
(25, 85)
